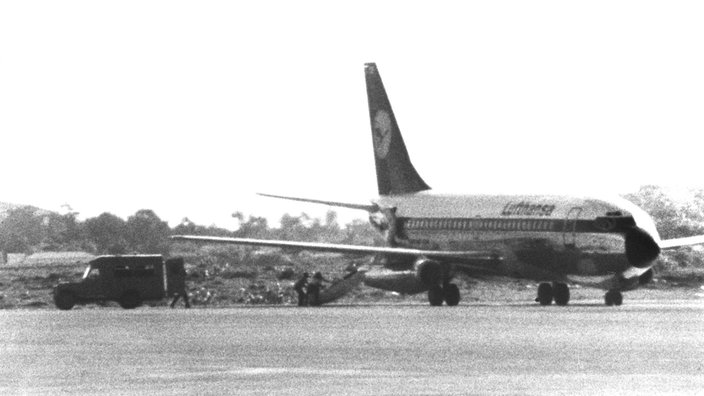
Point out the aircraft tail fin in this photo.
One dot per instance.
(395, 173)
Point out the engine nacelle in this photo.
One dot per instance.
(428, 271)
(641, 248)
(405, 282)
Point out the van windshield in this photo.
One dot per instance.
(90, 272)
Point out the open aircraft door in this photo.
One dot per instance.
(569, 232)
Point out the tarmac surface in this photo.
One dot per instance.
(639, 348)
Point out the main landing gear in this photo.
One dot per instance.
(560, 293)
(448, 292)
(557, 291)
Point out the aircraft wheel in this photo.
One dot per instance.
(545, 294)
(130, 300)
(452, 294)
(435, 295)
(613, 297)
(64, 300)
(561, 293)
(618, 298)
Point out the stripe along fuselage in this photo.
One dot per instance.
(541, 237)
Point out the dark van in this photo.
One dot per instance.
(129, 280)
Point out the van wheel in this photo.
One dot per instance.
(435, 295)
(130, 300)
(451, 294)
(64, 300)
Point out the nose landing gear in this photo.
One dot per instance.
(613, 297)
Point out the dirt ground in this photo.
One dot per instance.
(216, 287)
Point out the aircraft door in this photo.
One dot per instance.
(569, 231)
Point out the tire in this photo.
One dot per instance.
(613, 297)
(435, 296)
(545, 294)
(130, 300)
(452, 294)
(561, 292)
(64, 300)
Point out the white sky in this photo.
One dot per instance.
(189, 108)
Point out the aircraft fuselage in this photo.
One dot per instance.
(559, 238)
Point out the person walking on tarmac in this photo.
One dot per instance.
(177, 296)
(176, 281)
(300, 288)
(314, 289)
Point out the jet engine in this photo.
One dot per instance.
(428, 271)
(641, 248)
(405, 282)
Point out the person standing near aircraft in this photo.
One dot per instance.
(178, 296)
(314, 289)
(300, 288)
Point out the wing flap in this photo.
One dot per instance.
(468, 256)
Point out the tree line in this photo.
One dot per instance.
(27, 230)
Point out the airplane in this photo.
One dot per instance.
(555, 240)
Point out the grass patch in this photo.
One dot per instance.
(234, 276)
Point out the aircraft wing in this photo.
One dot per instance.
(468, 257)
(678, 242)
(367, 207)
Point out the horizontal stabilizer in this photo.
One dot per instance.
(678, 242)
(469, 256)
(367, 207)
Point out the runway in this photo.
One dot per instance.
(640, 348)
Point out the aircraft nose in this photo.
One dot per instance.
(641, 248)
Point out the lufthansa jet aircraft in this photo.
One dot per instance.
(557, 240)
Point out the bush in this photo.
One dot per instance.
(286, 274)
(231, 273)
(684, 257)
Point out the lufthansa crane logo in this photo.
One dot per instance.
(382, 133)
